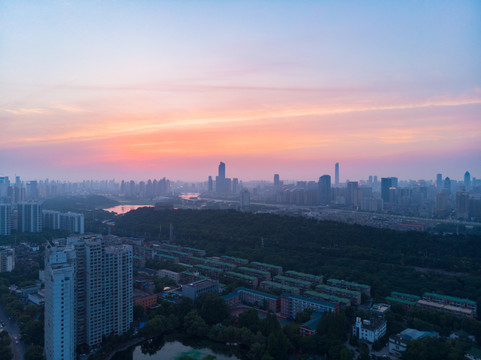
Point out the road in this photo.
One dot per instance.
(11, 326)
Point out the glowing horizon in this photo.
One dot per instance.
(152, 89)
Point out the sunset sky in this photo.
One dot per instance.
(147, 89)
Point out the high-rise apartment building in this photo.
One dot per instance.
(29, 217)
(72, 222)
(59, 303)
(5, 219)
(100, 281)
(7, 259)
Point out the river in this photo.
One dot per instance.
(122, 209)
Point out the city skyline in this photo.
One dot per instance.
(148, 89)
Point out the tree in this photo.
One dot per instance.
(304, 315)
(194, 325)
(138, 311)
(278, 346)
(269, 324)
(212, 308)
(250, 320)
(34, 352)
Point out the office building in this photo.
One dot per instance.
(276, 180)
(235, 185)
(5, 219)
(369, 330)
(462, 205)
(447, 186)
(388, 187)
(210, 184)
(196, 289)
(220, 186)
(245, 199)
(336, 176)
(29, 217)
(398, 343)
(325, 189)
(439, 181)
(467, 181)
(353, 195)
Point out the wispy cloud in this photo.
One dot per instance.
(24, 111)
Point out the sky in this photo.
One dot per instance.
(150, 89)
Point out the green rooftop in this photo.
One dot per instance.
(220, 263)
(235, 259)
(309, 276)
(256, 271)
(266, 265)
(452, 298)
(240, 276)
(348, 283)
(292, 280)
(185, 265)
(395, 293)
(407, 302)
(167, 256)
(327, 297)
(339, 290)
(279, 286)
(210, 268)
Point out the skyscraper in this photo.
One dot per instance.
(209, 184)
(447, 185)
(386, 184)
(462, 205)
(467, 181)
(276, 180)
(336, 178)
(439, 182)
(325, 189)
(352, 197)
(220, 180)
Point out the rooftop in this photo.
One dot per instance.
(343, 282)
(266, 265)
(451, 298)
(243, 289)
(395, 293)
